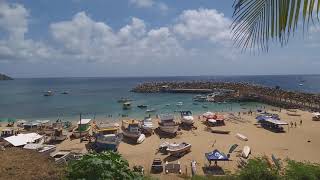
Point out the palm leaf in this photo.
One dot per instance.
(256, 22)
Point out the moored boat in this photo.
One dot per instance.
(316, 116)
(124, 99)
(131, 129)
(150, 110)
(167, 124)
(186, 117)
(48, 93)
(126, 105)
(83, 128)
(142, 106)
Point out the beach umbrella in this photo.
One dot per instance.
(232, 148)
(215, 156)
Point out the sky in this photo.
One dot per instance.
(102, 38)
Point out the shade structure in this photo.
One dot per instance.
(216, 155)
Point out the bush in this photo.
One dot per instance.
(258, 169)
(302, 170)
(105, 165)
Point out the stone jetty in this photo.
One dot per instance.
(242, 92)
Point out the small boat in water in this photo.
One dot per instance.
(142, 106)
(83, 128)
(131, 129)
(175, 148)
(48, 93)
(186, 117)
(167, 123)
(147, 125)
(126, 105)
(150, 110)
(124, 99)
(65, 92)
(179, 104)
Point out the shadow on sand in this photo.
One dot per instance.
(213, 170)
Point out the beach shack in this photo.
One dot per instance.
(23, 139)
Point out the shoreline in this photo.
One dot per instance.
(291, 144)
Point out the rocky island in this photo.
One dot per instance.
(5, 77)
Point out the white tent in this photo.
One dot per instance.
(23, 139)
(85, 121)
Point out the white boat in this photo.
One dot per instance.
(126, 105)
(316, 116)
(150, 110)
(167, 124)
(193, 167)
(61, 157)
(141, 138)
(83, 128)
(176, 148)
(131, 129)
(179, 104)
(186, 117)
(48, 93)
(147, 125)
(241, 137)
(246, 151)
(41, 148)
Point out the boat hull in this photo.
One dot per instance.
(132, 135)
(77, 133)
(60, 138)
(187, 121)
(169, 129)
(187, 148)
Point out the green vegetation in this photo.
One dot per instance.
(302, 170)
(256, 22)
(5, 77)
(106, 165)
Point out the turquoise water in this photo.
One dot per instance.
(97, 97)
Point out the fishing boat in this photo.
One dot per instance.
(142, 106)
(241, 137)
(126, 105)
(124, 99)
(131, 129)
(65, 92)
(205, 106)
(150, 110)
(179, 104)
(147, 125)
(167, 123)
(84, 126)
(316, 116)
(107, 136)
(59, 135)
(48, 93)
(199, 98)
(175, 148)
(141, 138)
(246, 151)
(186, 117)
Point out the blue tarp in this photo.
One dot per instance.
(216, 156)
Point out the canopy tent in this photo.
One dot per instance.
(84, 121)
(215, 156)
(23, 139)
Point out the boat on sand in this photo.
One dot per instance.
(147, 125)
(246, 151)
(186, 117)
(220, 131)
(83, 128)
(167, 124)
(241, 137)
(131, 129)
(175, 148)
(141, 138)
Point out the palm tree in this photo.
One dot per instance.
(256, 22)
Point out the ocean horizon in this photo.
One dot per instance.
(96, 97)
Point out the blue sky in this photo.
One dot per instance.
(85, 38)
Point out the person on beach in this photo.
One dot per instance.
(300, 122)
(291, 124)
(295, 124)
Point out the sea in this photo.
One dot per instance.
(97, 98)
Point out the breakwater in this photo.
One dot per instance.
(240, 92)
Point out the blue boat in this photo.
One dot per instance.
(107, 137)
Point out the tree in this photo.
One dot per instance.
(256, 22)
(106, 165)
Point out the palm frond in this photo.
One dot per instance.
(256, 22)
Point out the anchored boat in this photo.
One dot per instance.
(176, 148)
(147, 125)
(107, 136)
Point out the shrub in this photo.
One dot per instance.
(105, 165)
(302, 170)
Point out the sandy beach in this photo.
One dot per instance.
(292, 144)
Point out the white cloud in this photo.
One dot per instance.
(203, 24)
(150, 4)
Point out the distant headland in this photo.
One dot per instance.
(5, 77)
